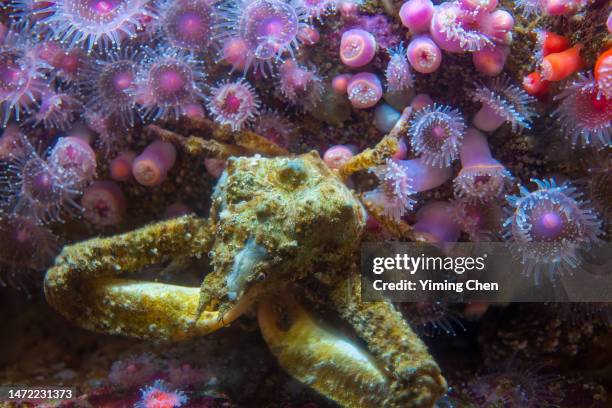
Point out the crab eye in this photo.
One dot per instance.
(261, 276)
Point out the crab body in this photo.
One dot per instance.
(278, 221)
(276, 224)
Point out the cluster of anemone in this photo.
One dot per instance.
(88, 24)
(115, 64)
(37, 189)
(502, 102)
(457, 26)
(44, 187)
(436, 133)
(557, 60)
(454, 29)
(468, 26)
(549, 227)
(96, 60)
(22, 77)
(550, 7)
(262, 31)
(584, 114)
(399, 181)
(122, 79)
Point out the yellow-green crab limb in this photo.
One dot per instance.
(353, 376)
(277, 225)
(84, 285)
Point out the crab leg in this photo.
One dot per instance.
(244, 138)
(397, 371)
(418, 381)
(243, 143)
(318, 357)
(83, 285)
(383, 150)
(196, 146)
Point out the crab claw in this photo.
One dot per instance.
(84, 284)
(318, 357)
(339, 368)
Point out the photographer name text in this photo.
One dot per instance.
(430, 285)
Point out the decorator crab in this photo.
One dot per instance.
(283, 232)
